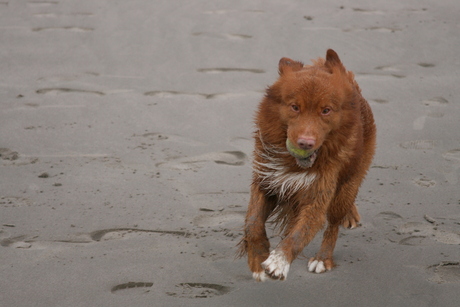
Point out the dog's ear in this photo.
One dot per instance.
(333, 62)
(285, 65)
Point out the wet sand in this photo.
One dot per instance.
(125, 150)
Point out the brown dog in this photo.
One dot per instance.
(314, 143)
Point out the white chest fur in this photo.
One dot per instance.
(278, 180)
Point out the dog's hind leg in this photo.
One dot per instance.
(352, 218)
(323, 260)
(255, 242)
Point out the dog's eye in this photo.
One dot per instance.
(326, 111)
(295, 108)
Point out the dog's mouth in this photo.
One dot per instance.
(308, 161)
(304, 157)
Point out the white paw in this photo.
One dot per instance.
(260, 276)
(316, 266)
(276, 266)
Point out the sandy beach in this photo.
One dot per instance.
(126, 148)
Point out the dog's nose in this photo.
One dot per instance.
(305, 143)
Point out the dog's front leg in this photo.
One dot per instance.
(342, 211)
(255, 242)
(299, 233)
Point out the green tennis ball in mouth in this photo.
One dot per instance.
(298, 152)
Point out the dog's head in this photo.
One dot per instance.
(312, 103)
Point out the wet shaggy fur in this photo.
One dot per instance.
(318, 107)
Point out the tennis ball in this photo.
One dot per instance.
(298, 152)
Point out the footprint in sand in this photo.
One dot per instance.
(229, 157)
(389, 68)
(72, 29)
(367, 11)
(219, 219)
(426, 65)
(148, 139)
(60, 90)
(24, 241)
(230, 69)
(415, 241)
(198, 290)
(419, 144)
(123, 233)
(229, 36)
(453, 156)
(374, 29)
(417, 233)
(419, 123)
(387, 218)
(27, 242)
(15, 242)
(424, 182)
(8, 154)
(445, 272)
(232, 158)
(167, 94)
(11, 157)
(132, 288)
(363, 75)
(14, 201)
(387, 223)
(435, 101)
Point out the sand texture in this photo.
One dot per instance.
(126, 147)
